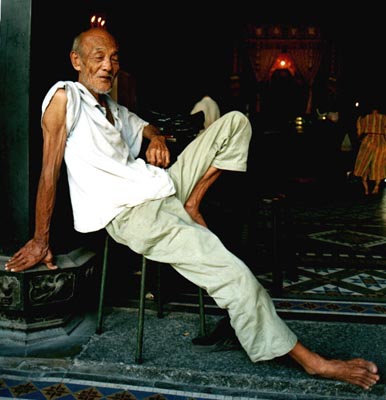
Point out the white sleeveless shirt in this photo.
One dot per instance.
(104, 173)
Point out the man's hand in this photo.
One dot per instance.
(31, 254)
(157, 152)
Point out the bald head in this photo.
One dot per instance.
(92, 34)
(94, 55)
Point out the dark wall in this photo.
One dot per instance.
(14, 123)
(166, 52)
(35, 41)
(174, 54)
(170, 51)
(52, 31)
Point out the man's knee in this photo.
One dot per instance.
(234, 125)
(237, 116)
(241, 125)
(239, 121)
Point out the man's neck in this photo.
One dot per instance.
(103, 102)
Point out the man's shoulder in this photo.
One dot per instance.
(67, 92)
(56, 89)
(62, 85)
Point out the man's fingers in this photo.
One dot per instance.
(23, 260)
(163, 160)
(21, 266)
(17, 266)
(16, 256)
(159, 157)
(167, 160)
(12, 263)
(49, 260)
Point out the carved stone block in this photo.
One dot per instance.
(39, 298)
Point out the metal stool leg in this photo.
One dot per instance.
(288, 245)
(141, 314)
(159, 298)
(277, 272)
(102, 288)
(141, 307)
(201, 305)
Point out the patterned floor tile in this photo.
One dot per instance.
(349, 238)
(368, 281)
(340, 250)
(336, 291)
(14, 387)
(330, 290)
(325, 308)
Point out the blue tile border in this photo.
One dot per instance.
(365, 309)
(12, 387)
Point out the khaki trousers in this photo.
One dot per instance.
(163, 231)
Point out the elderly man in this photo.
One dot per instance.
(153, 208)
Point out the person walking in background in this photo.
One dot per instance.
(370, 163)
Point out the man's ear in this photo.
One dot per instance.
(75, 60)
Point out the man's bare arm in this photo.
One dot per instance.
(54, 134)
(157, 152)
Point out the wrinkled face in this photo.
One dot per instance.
(97, 61)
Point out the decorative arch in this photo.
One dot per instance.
(298, 49)
(283, 61)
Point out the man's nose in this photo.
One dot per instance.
(107, 64)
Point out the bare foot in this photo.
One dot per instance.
(365, 186)
(196, 215)
(356, 371)
(375, 190)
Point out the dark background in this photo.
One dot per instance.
(171, 49)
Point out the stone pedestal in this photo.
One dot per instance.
(40, 303)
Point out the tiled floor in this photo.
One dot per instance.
(69, 389)
(104, 368)
(339, 243)
(334, 293)
(340, 258)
